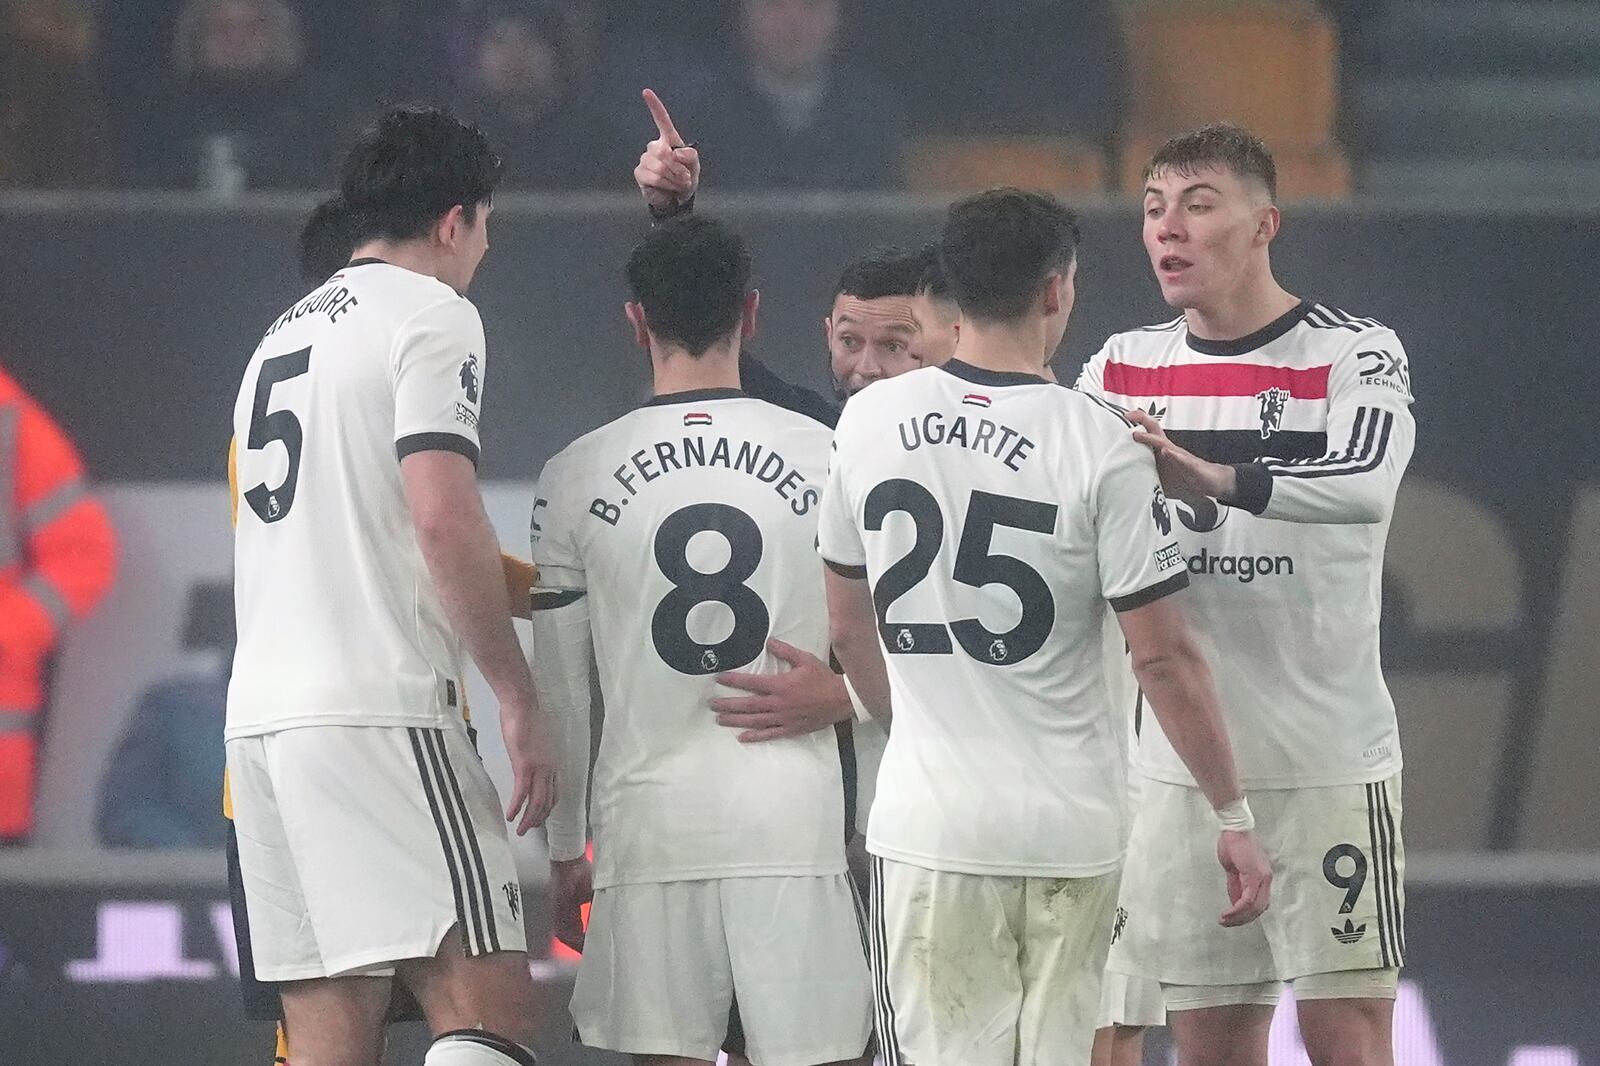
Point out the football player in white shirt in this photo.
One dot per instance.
(1283, 426)
(688, 528)
(891, 314)
(371, 844)
(977, 522)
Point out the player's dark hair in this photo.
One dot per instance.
(412, 166)
(1222, 145)
(326, 240)
(884, 271)
(998, 248)
(691, 275)
(932, 280)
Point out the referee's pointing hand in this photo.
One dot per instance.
(669, 170)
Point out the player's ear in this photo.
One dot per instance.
(1271, 220)
(1056, 294)
(641, 330)
(1069, 287)
(448, 230)
(752, 302)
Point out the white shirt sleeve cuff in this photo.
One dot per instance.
(862, 714)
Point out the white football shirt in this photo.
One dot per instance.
(691, 526)
(995, 516)
(1315, 410)
(338, 620)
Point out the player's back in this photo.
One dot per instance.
(998, 514)
(338, 621)
(691, 523)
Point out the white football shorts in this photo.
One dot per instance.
(980, 970)
(664, 963)
(1338, 890)
(364, 845)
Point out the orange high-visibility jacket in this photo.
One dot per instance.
(57, 558)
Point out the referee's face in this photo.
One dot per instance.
(1202, 231)
(869, 340)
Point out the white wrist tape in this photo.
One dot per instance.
(1236, 816)
(862, 714)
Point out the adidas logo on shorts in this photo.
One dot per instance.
(1351, 933)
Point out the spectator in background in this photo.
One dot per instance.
(160, 786)
(420, 49)
(53, 131)
(57, 558)
(242, 108)
(1007, 66)
(518, 90)
(788, 110)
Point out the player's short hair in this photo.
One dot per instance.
(932, 280)
(326, 240)
(998, 247)
(410, 167)
(1222, 145)
(691, 274)
(887, 270)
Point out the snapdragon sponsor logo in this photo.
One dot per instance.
(1245, 568)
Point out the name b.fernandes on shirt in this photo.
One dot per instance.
(666, 457)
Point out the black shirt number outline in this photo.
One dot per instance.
(976, 566)
(272, 505)
(669, 624)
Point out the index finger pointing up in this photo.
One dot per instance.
(664, 126)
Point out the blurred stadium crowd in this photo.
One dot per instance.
(1432, 97)
(228, 95)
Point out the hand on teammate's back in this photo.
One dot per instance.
(1184, 475)
(533, 764)
(1249, 877)
(802, 699)
(668, 172)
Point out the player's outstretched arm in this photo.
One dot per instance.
(853, 629)
(806, 697)
(1177, 683)
(1370, 437)
(1184, 475)
(463, 558)
(668, 174)
(1371, 434)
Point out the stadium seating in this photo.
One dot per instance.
(952, 165)
(1271, 66)
(1560, 813)
(1454, 724)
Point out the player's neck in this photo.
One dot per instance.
(415, 256)
(1256, 303)
(675, 370)
(1022, 348)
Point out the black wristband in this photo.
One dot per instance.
(1252, 488)
(672, 210)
